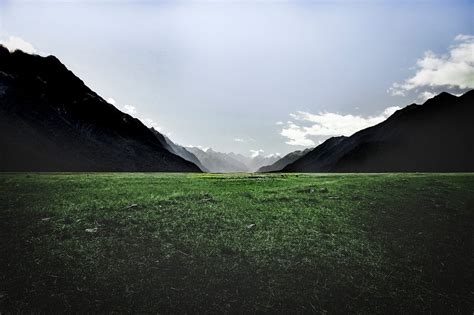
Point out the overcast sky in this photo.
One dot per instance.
(241, 76)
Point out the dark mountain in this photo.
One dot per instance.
(284, 161)
(51, 121)
(178, 150)
(437, 136)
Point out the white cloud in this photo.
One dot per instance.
(132, 110)
(151, 124)
(244, 139)
(200, 147)
(423, 96)
(129, 109)
(255, 153)
(297, 135)
(273, 155)
(13, 43)
(454, 70)
(111, 101)
(328, 125)
(464, 37)
(279, 123)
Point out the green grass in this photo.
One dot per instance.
(303, 243)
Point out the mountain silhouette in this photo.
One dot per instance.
(51, 121)
(437, 136)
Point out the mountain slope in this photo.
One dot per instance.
(437, 136)
(51, 121)
(284, 161)
(177, 149)
(185, 154)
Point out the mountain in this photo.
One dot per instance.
(437, 136)
(284, 161)
(177, 149)
(185, 154)
(253, 163)
(217, 162)
(51, 121)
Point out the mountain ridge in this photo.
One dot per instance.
(178, 149)
(283, 161)
(434, 137)
(51, 121)
(219, 162)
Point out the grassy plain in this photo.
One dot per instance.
(335, 243)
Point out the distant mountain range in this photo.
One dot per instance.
(218, 162)
(51, 121)
(254, 163)
(437, 136)
(284, 161)
(178, 150)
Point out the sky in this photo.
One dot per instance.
(253, 76)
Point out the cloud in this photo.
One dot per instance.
(464, 37)
(129, 109)
(13, 43)
(452, 72)
(423, 96)
(132, 110)
(327, 125)
(273, 155)
(150, 123)
(255, 153)
(297, 135)
(200, 147)
(279, 123)
(111, 101)
(244, 139)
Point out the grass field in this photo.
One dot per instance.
(237, 243)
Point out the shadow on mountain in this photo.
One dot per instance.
(51, 121)
(437, 136)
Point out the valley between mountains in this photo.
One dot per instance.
(51, 121)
